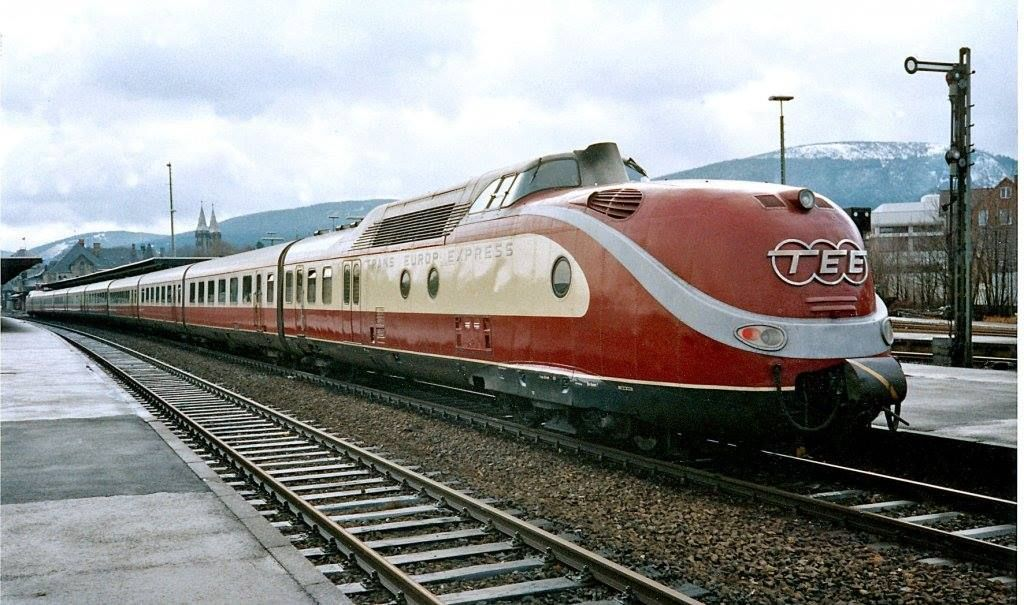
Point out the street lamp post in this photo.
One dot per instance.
(170, 193)
(782, 135)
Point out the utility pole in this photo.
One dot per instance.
(782, 136)
(170, 193)
(959, 216)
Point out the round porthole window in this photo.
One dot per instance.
(433, 282)
(405, 283)
(561, 277)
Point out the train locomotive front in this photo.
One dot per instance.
(739, 310)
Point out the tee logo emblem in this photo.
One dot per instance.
(798, 263)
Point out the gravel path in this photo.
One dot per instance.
(741, 552)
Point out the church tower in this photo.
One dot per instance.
(203, 233)
(214, 229)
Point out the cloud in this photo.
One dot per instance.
(264, 105)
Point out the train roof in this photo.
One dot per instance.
(173, 274)
(260, 257)
(327, 245)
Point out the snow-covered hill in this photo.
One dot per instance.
(861, 173)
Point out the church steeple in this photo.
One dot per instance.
(202, 219)
(202, 232)
(214, 227)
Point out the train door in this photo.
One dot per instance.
(346, 301)
(257, 303)
(355, 317)
(300, 301)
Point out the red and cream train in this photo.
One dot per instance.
(629, 309)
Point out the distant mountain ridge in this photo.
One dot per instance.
(241, 231)
(858, 173)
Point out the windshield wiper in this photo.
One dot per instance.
(631, 163)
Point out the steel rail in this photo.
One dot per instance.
(964, 546)
(622, 579)
(395, 580)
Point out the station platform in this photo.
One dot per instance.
(100, 503)
(963, 403)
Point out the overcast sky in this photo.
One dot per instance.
(263, 105)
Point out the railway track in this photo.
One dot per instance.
(907, 324)
(378, 528)
(957, 523)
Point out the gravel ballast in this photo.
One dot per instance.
(739, 551)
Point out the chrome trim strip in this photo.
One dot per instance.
(807, 338)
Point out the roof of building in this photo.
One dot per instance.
(11, 266)
(924, 212)
(138, 268)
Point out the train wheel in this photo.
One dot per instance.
(650, 439)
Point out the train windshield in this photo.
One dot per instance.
(553, 174)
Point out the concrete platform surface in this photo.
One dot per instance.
(100, 503)
(964, 403)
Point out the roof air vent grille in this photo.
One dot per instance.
(616, 203)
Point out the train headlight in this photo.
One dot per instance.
(887, 334)
(806, 197)
(766, 338)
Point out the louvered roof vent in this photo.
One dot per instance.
(616, 203)
(421, 219)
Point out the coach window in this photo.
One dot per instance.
(298, 287)
(234, 291)
(202, 292)
(355, 284)
(486, 196)
(210, 292)
(247, 288)
(270, 288)
(311, 286)
(346, 285)
(561, 277)
(222, 291)
(405, 283)
(192, 293)
(327, 283)
(433, 282)
(258, 294)
(289, 283)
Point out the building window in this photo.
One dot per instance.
(1005, 218)
(983, 217)
(1004, 193)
